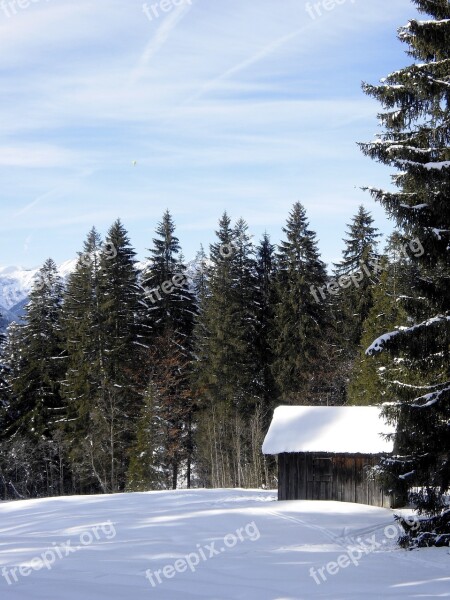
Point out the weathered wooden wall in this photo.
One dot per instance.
(320, 476)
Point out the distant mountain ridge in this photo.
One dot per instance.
(15, 286)
(16, 283)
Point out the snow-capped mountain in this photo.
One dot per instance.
(15, 285)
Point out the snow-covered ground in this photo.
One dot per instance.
(209, 544)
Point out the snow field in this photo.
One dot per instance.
(209, 544)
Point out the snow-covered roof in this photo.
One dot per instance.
(336, 429)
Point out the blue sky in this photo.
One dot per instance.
(224, 104)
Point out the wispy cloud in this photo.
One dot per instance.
(64, 189)
(247, 106)
(38, 155)
(159, 39)
(241, 66)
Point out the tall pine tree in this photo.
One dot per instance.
(266, 272)
(302, 321)
(226, 368)
(359, 256)
(170, 302)
(369, 381)
(120, 312)
(85, 385)
(170, 319)
(38, 384)
(33, 367)
(416, 120)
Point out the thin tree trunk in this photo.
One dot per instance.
(175, 475)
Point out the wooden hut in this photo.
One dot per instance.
(325, 453)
